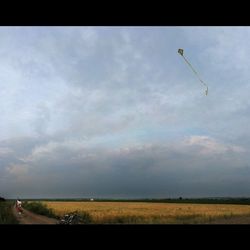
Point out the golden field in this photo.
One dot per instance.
(142, 212)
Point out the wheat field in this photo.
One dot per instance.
(142, 212)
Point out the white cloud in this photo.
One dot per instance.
(5, 151)
(18, 169)
(207, 145)
(53, 150)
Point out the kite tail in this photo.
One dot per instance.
(190, 65)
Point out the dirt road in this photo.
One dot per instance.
(28, 217)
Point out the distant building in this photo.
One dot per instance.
(91, 199)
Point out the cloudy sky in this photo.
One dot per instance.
(115, 112)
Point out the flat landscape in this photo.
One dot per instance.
(154, 213)
(124, 125)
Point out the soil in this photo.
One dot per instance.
(27, 217)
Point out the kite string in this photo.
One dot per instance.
(194, 71)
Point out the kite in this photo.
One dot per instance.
(181, 52)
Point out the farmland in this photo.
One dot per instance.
(150, 213)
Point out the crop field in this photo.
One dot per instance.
(150, 213)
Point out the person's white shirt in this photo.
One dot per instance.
(19, 203)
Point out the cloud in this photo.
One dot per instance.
(209, 145)
(114, 111)
(5, 151)
(17, 169)
(132, 170)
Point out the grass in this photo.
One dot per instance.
(150, 213)
(43, 209)
(39, 208)
(6, 215)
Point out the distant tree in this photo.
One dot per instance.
(2, 199)
(180, 198)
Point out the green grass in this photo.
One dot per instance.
(6, 215)
(42, 209)
(39, 208)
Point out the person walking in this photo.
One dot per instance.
(19, 206)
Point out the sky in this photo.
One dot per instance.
(115, 112)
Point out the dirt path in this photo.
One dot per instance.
(28, 217)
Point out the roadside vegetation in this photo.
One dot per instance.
(6, 214)
(39, 208)
(42, 209)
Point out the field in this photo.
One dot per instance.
(151, 213)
